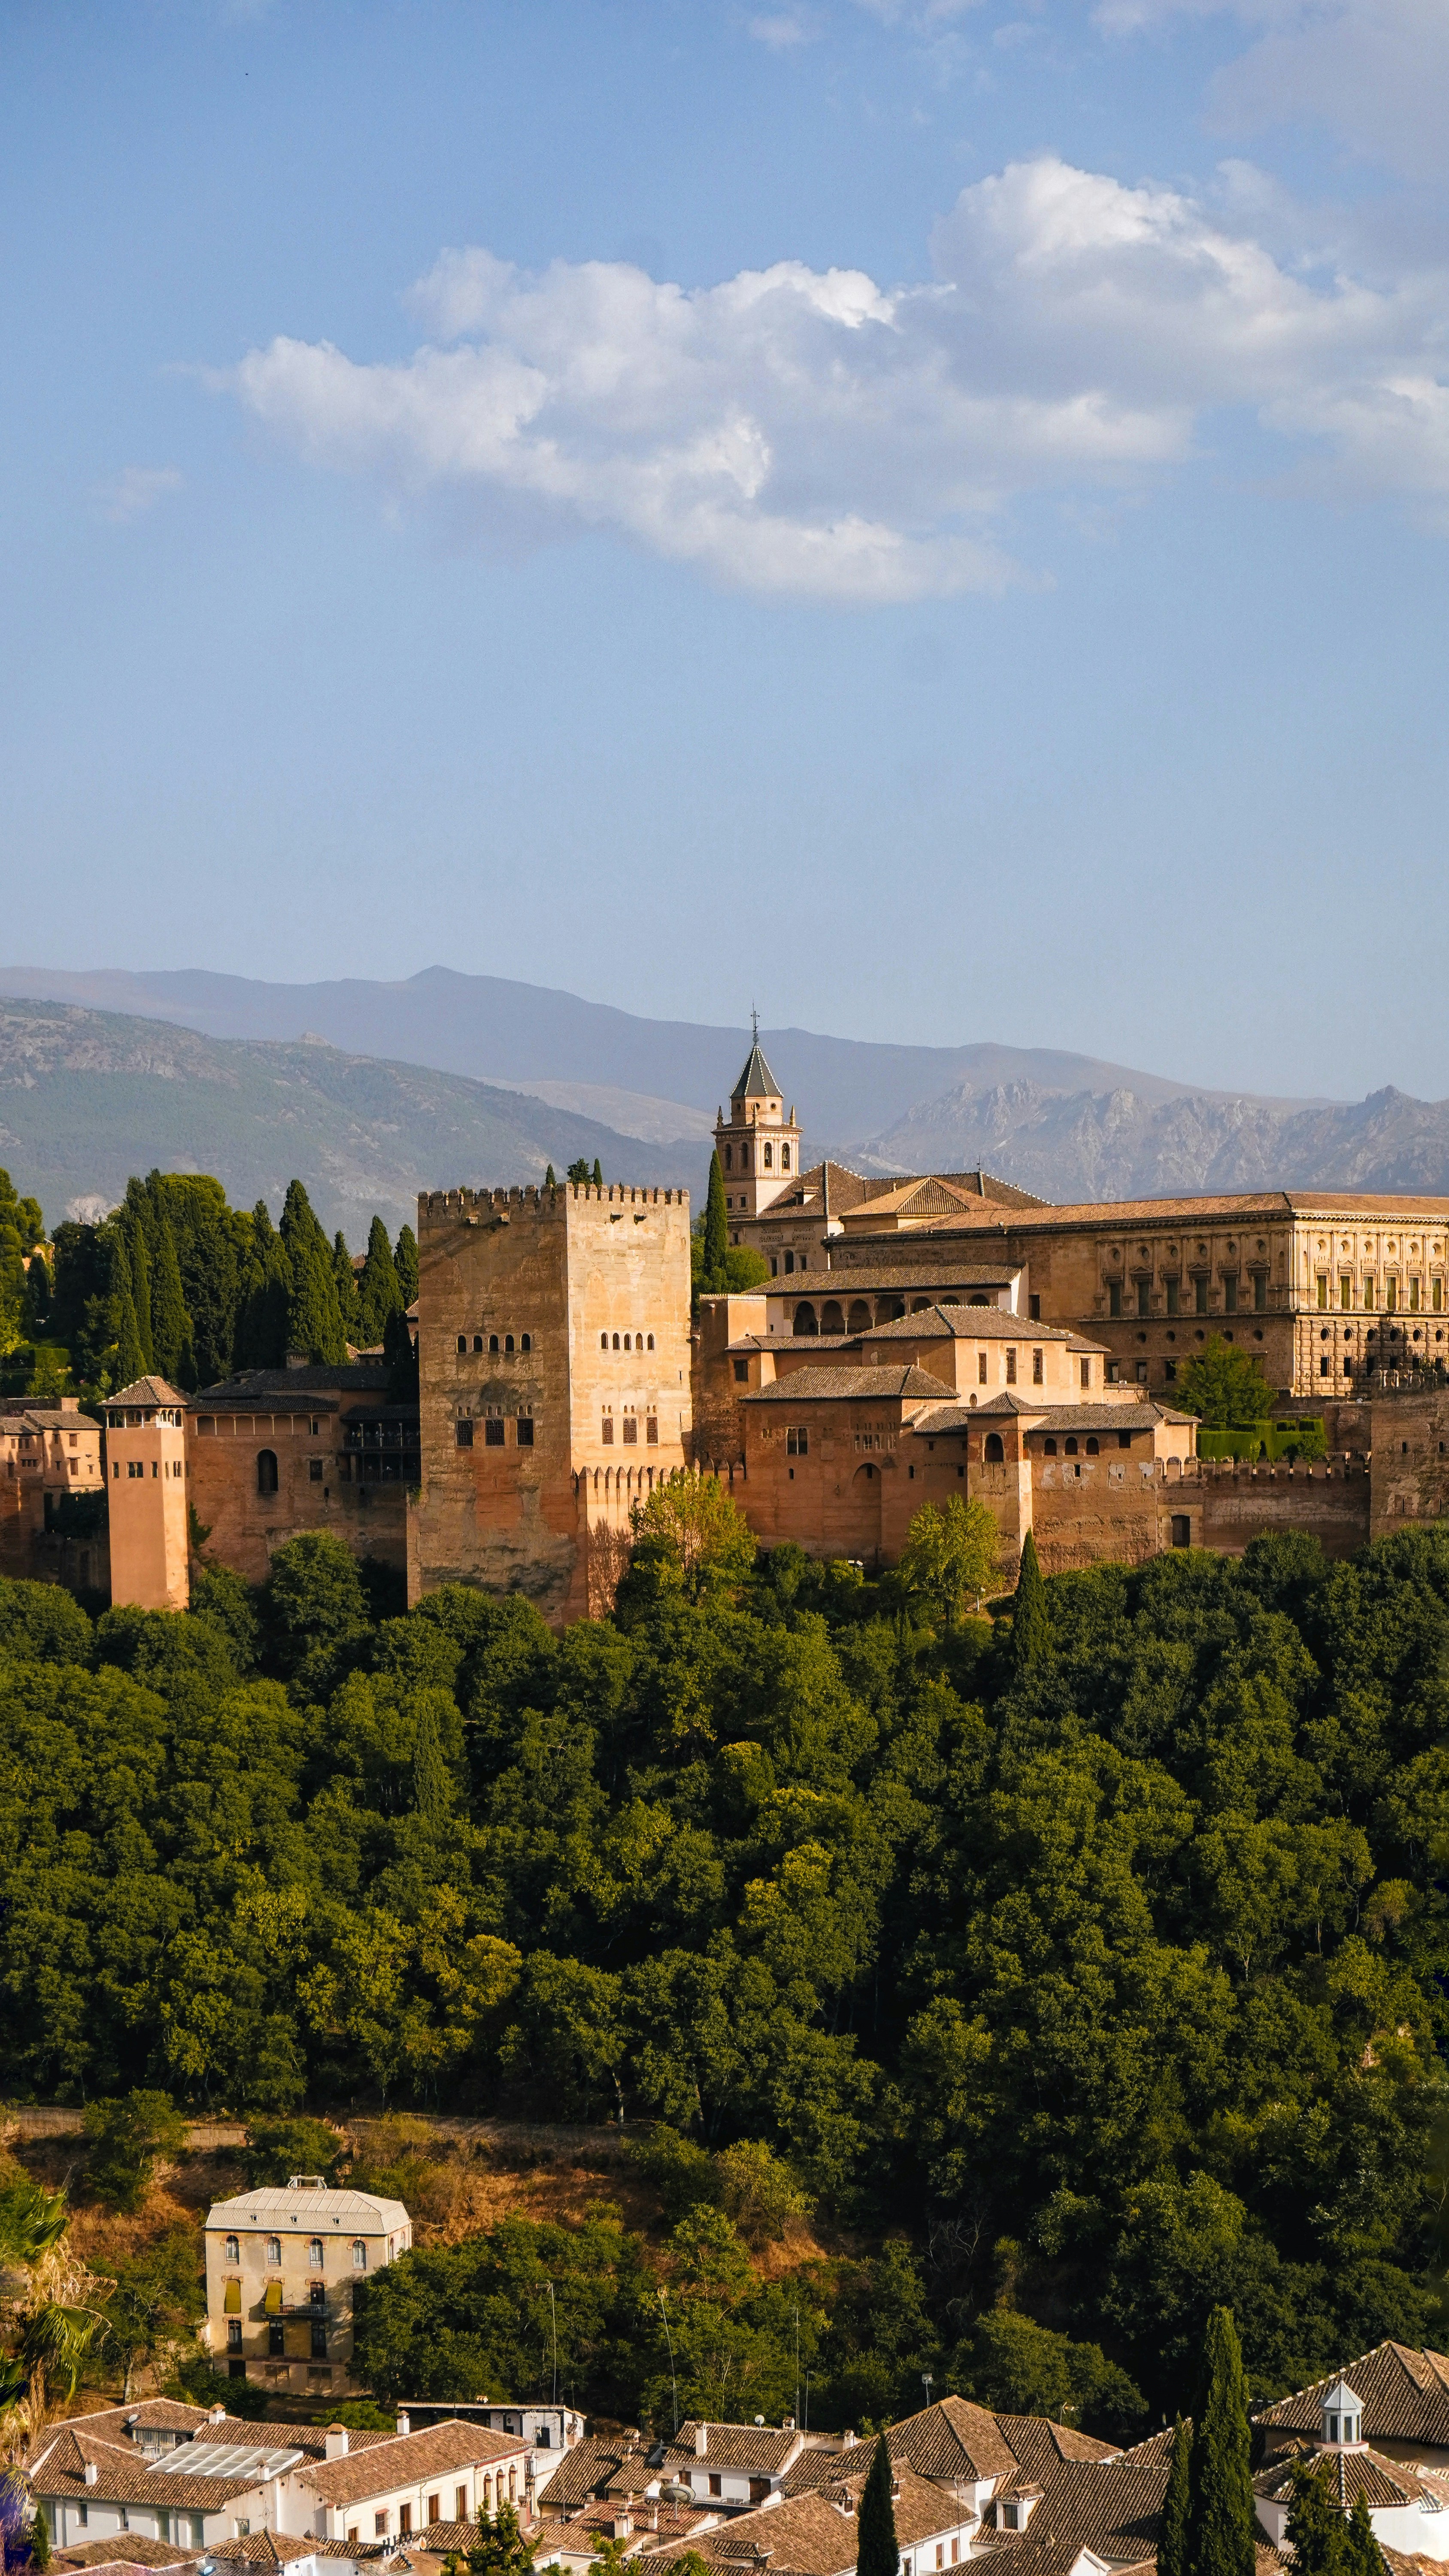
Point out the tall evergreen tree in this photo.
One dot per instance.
(130, 1360)
(170, 1323)
(1316, 2527)
(1362, 2555)
(266, 1296)
(1172, 2539)
(549, 1182)
(1031, 1633)
(141, 1294)
(401, 1354)
(598, 1173)
(716, 1229)
(405, 1261)
(1224, 2519)
(348, 1304)
(314, 1319)
(877, 2551)
(379, 1289)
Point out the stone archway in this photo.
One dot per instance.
(831, 1318)
(805, 1318)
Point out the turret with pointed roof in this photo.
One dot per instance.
(758, 1146)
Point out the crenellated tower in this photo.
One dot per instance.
(758, 1146)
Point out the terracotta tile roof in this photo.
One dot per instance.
(953, 2438)
(1405, 2394)
(278, 2548)
(817, 2465)
(973, 1324)
(1009, 1406)
(257, 1390)
(1351, 2474)
(139, 2551)
(144, 1391)
(806, 2537)
(120, 2473)
(913, 1278)
(849, 1386)
(595, 2463)
(762, 2448)
(408, 2458)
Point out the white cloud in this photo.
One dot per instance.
(784, 29)
(814, 434)
(1375, 72)
(135, 490)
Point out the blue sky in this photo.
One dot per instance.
(931, 518)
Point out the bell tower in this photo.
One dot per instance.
(758, 1146)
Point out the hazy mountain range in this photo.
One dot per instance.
(370, 1091)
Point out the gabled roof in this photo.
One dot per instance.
(848, 1386)
(597, 2467)
(1405, 2394)
(122, 2474)
(757, 1081)
(429, 2454)
(1007, 1405)
(958, 1323)
(256, 1390)
(147, 1392)
(759, 2447)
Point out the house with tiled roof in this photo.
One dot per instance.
(1404, 2399)
(282, 2265)
(1407, 2503)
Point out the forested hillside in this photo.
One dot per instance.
(1102, 1963)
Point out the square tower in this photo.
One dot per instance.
(757, 1145)
(553, 1367)
(146, 1496)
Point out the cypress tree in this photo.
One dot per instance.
(1031, 1634)
(1316, 2528)
(348, 1303)
(549, 1182)
(716, 1229)
(405, 1262)
(1224, 2518)
(379, 1289)
(314, 1318)
(1362, 2555)
(1172, 2544)
(266, 1296)
(130, 1358)
(598, 1173)
(170, 1323)
(877, 2551)
(400, 1352)
(141, 1293)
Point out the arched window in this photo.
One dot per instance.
(616, 1341)
(266, 1471)
(1091, 1448)
(769, 1158)
(527, 1342)
(508, 1341)
(805, 1318)
(314, 2253)
(729, 1158)
(994, 1452)
(627, 1344)
(493, 1345)
(477, 1341)
(1049, 1448)
(359, 2255)
(233, 2250)
(651, 1341)
(831, 1318)
(784, 1158)
(859, 1316)
(1071, 1445)
(462, 1341)
(603, 1341)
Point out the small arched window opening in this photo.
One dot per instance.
(508, 1341)
(805, 1318)
(359, 2255)
(784, 1158)
(1091, 1448)
(628, 1345)
(1072, 1446)
(462, 1341)
(1049, 1448)
(493, 1346)
(526, 1343)
(729, 1158)
(616, 1341)
(769, 1158)
(831, 1318)
(603, 1341)
(651, 1341)
(994, 1453)
(266, 1471)
(477, 1341)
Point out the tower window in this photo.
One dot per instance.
(627, 1344)
(1036, 1368)
(616, 1341)
(463, 1434)
(508, 1341)
(603, 1341)
(477, 1341)
(769, 1157)
(729, 1158)
(526, 1344)
(784, 1158)
(493, 1345)
(266, 1471)
(462, 1341)
(651, 1341)
(493, 1432)
(1114, 1296)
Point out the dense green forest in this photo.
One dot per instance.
(174, 1280)
(1086, 1968)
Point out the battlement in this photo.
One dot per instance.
(537, 1200)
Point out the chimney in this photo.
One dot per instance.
(298, 1359)
(216, 2415)
(847, 2441)
(404, 2420)
(92, 2473)
(701, 2440)
(336, 2442)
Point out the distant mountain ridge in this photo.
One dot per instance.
(88, 1097)
(1116, 1145)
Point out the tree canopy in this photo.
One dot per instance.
(1223, 1385)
